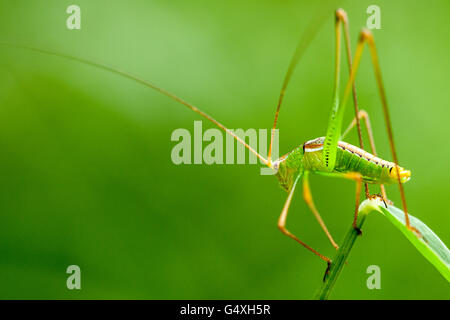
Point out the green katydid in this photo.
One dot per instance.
(329, 155)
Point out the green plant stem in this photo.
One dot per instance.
(341, 256)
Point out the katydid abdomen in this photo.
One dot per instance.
(349, 158)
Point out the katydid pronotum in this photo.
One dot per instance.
(329, 155)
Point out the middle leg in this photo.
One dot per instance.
(362, 114)
(282, 224)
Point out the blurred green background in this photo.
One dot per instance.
(87, 177)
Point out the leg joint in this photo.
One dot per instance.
(366, 35)
(341, 15)
(363, 114)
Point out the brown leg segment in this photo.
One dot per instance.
(357, 199)
(366, 36)
(341, 16)
(358, 178)
(282, 224)
(362, 114)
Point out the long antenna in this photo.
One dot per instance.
(307, 36)
(145, 83)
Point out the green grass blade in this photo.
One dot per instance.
(429, 245)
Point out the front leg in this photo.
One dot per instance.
(282, 223)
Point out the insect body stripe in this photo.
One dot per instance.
(308, 149)
(363, 154)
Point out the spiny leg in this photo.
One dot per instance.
(334, 128)
(307, 196)
(366, 36)
(341, 16)
(282, 223)
(334, 125)
(362, 114)
(357, 178)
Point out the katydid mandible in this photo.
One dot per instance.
(328, 155)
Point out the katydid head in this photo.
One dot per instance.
(288, 167)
